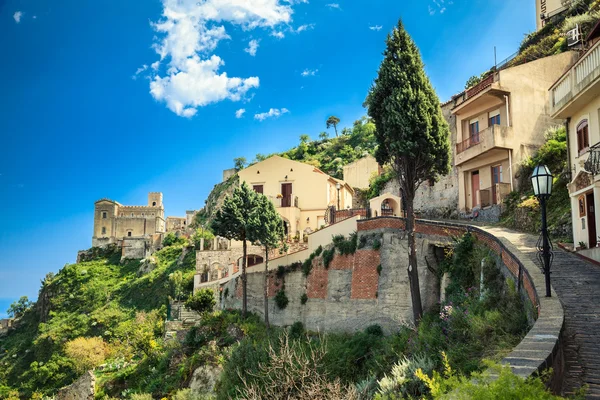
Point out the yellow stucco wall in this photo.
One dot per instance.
(315, 190)
(528, 98)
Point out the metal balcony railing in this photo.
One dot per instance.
(592, 164)
(469, 142)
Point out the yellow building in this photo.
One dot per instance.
(546, 10)
(499, 123)
(301, 193)
(575, 97)
(359, 173)
(114, 221)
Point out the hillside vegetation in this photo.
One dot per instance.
(104, 315)
(113, 307)
(328, 154)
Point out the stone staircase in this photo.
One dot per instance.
(180, 319)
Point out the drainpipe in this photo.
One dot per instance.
(567, 122)
(510, 169)
(509, 151)
(507, 110)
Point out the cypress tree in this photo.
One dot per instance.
(412, 134)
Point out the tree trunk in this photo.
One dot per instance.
(267, 287)
(413, 272)
(244, 281)
(335, 128)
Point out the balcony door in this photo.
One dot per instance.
(286, 192)
(591, 220)
(474, 132)
(474, 187)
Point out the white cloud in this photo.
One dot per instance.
(189, 33)
(240, 113)
(155, 65)
(17, 16)
(440, 5)
(139, 71)
(252, 47)
(303, 28)
(278, 35)
(309, 72)
(375, 28)
(34, 17)
(272, 113)
(333, 5)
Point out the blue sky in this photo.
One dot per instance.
(118, 98)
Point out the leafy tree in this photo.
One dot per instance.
(323, 135)
(304, 139)
(233, 222)
(266, 229)
(203, 301)
(176, 281)
(412, 134)
(171, 239)
(240, 163)
(472, 81)
(333, 121)
(200, 234)
(19, 307)
(86, 353)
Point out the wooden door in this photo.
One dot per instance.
(495, 180)
(591, 218)
(286, 192)
(475, 187)
(258, 188)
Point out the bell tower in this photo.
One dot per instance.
(155, 199)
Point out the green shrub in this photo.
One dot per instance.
(141, 396)
(307, 266)
(281, 270)
(303, 298)
(403, 379)
(319, 250)
(328, 257)
(345, 246)
(281, 300)
(374, 330)
(203, 301)
(376, 244)
(297, 330)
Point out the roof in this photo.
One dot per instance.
(594, 33)
(107, 200)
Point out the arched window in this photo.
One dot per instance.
(153, 204)
(103, 230)
(583, 137)
(132, 214)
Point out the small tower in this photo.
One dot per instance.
(155, 199)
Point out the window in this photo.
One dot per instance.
(104, 214)
(142, 214)
(474, 131)
(583, 140)
(129, 234)
(258, 188)
(495, 117)
(132, 214)
(103, 230)
(153, 204)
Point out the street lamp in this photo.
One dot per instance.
(338, 187)
(541, 180)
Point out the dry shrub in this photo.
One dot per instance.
(293, 373)
(86, 353)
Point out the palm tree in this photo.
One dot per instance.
(333, 121)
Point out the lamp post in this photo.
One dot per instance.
(338, 187)
(541, 180)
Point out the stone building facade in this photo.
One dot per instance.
(114, 222)
(176, 224)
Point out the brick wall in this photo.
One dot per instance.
(317, 281)
(365, 278)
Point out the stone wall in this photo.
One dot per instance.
(353, 293)
(83, 388)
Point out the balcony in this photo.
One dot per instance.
(284, 201)
(487, 91)
(494, 195)
(592, 164)
(578, 86)
(494, 137)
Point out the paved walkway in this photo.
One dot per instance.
(577, 283)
